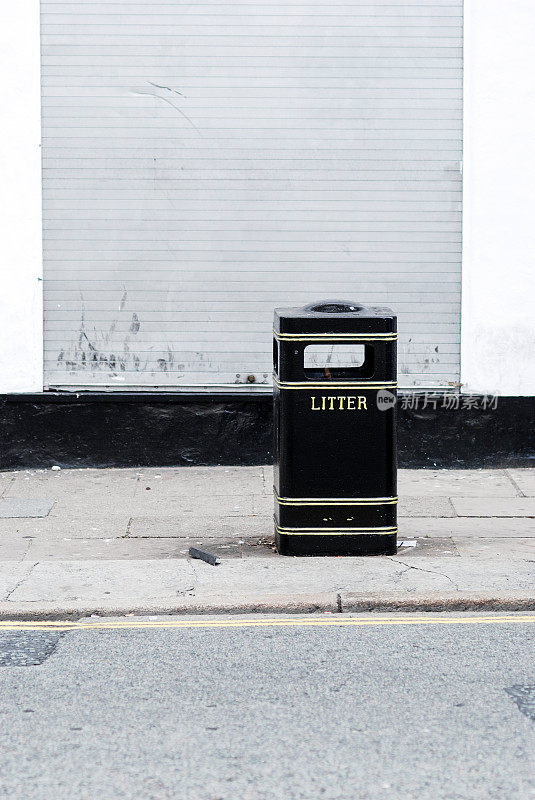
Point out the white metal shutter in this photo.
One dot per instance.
(204, 162)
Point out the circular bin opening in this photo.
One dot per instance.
(334, 307)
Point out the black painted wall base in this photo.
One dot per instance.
(95, 430)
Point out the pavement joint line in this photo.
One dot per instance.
(335, 621)
(517, 488)
(25, 554)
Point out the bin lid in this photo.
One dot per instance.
(336, 316)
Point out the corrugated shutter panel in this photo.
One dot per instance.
(204, 162)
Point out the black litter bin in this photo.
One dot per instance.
(335, 429)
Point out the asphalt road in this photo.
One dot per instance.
(271, 712)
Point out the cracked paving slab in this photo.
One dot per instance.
(14, 548)
(13, 575)
(422, 569)
(90, 581)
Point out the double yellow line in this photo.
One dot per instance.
(328, 620)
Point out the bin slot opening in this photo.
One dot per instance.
(336, 361)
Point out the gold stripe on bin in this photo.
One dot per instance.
(384, 531)
(334, 384)
(336, 501)
(346, 337)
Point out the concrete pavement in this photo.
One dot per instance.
(115, 541)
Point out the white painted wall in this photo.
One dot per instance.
(21, 305)
(498, 285)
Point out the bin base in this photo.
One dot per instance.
(341, 545)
